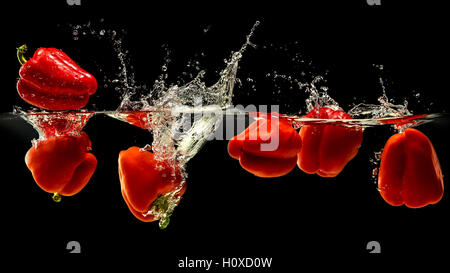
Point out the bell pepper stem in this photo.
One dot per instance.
(21, 50)
(164, 222)
(56, 197)
(164, 205)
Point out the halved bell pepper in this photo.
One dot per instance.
(267, 148)
(410, 172)
(52, 81)
(149, 187)
(62, 164)
(328, 148)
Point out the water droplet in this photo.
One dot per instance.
(374, 172)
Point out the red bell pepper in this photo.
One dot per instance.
(267, 148)
(52, 81)
(410, 172)
(62, 164)
(150, 188)
(328, 148)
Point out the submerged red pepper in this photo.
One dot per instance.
(139, 119)
(62, 164)
(52, 81)
(267, 148)
(328, 148)
(145, 182)
(410, 172)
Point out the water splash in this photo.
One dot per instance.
(177, 134)
(386, 106)
(189, 94)
(318, 95)
(173, 140)
(385, 109)
(365, 115)
(122, 80)
(49, 124)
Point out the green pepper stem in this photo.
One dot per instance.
(56, 197)
(164, 222)
(21, 50)
(164, 205)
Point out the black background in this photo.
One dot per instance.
(226, 211)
